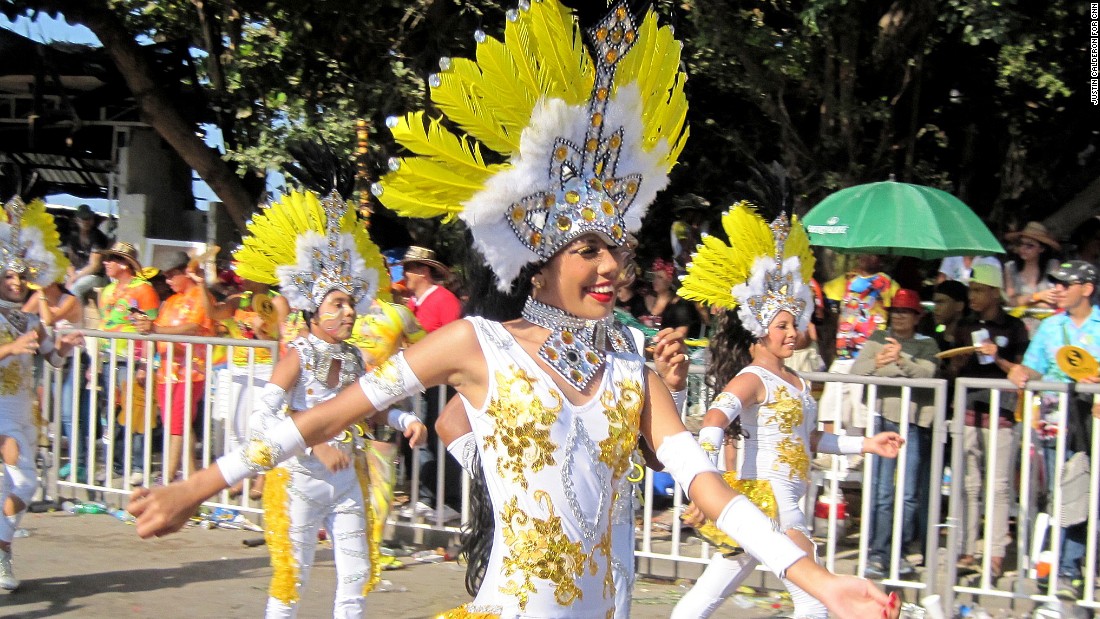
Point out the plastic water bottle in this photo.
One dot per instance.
(91, 508)
(123, 515)
(945, 486)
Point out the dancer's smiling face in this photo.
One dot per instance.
(581, 277)
(334, 318)
(781, 336)
(14, 287)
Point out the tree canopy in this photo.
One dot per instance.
(987, 100)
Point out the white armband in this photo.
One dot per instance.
(841, 444)
(262, 452)
(267, 405)
(679, 398)
(729, 404)
(463, 449)
(758, 535)
(711, 439)
(400, 420)
(390, 383)
(683, 459)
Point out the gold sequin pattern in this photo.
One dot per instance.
(11, 378)
(523, 420)
(623, 413)
(786, 410)
(792, 452)
(284, 568)
(463, 613)
(759, 491)
(540, 549)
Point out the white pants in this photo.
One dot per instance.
(335, 503)
(622, 566)
(976, 446)
(235, 398)
(19, 480)
(723, 576)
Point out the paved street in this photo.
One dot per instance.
(95, 566)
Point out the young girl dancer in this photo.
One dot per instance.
(764, 274)
(329, 278)
(557, 397)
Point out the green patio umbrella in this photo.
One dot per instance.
(899, 219)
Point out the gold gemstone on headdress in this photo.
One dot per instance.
(599, 172)
(594, 183)
(560, 153)
(615, 141)
(572, 197)
(620, 13)
(536, 238)
(601, 34)
(616, 231)
(564, 223)
(601, 93)
(632, 187)
(608, 208)
(590, 145)
(629, 36)
(588, 214)
(597, 119)
(608, 185)
(611, 56)
(517, 213)
(548, 200)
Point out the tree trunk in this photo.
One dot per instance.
(157, 107)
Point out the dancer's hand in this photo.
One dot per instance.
(849, 597)
(165, 509)
(885, 444)
(333, 458)
(26, 344)
(417, 433)
(670, 356)
(693, 516)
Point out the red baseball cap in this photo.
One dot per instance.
(906, 299)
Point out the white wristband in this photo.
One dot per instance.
(684, 459)
(390, 383)
(845, 445)
(463, 449)
(400, 420)
(711, 439)
(757, 534)
(679, 398)
(262, 452)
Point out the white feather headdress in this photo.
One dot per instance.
(587, 138)
(30, 244)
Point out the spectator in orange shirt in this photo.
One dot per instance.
(182, 372)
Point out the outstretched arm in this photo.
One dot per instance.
(450, 355)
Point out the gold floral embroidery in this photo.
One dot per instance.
(464, 612)
(787, 410)
(540, 549)
(523, 423)
(609, 574)
(622, 429)
(792, 452)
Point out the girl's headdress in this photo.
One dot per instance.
(310, 246)
(30, 244)
(765, 269)
(586, 138)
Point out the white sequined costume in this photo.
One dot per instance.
(777, 449)
(553, 470)
(318, 497)
(17, 418)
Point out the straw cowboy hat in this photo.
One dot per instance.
(127, 252)
(423, 255)
(1036, 232)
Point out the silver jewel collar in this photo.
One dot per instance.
(576, 347)
(322, 355)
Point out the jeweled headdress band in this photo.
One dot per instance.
(30, 244)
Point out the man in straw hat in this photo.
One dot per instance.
(432, 304)
(128, 297)
(1079, 325)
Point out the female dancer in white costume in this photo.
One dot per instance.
(29, 254)
(557, 397)
(330, 271)
(764, 274)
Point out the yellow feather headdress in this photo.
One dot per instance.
(310, 246)
(30, 244)
(587, 138)
(765, 269)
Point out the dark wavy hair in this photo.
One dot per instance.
(730, 350)
(477, 534)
